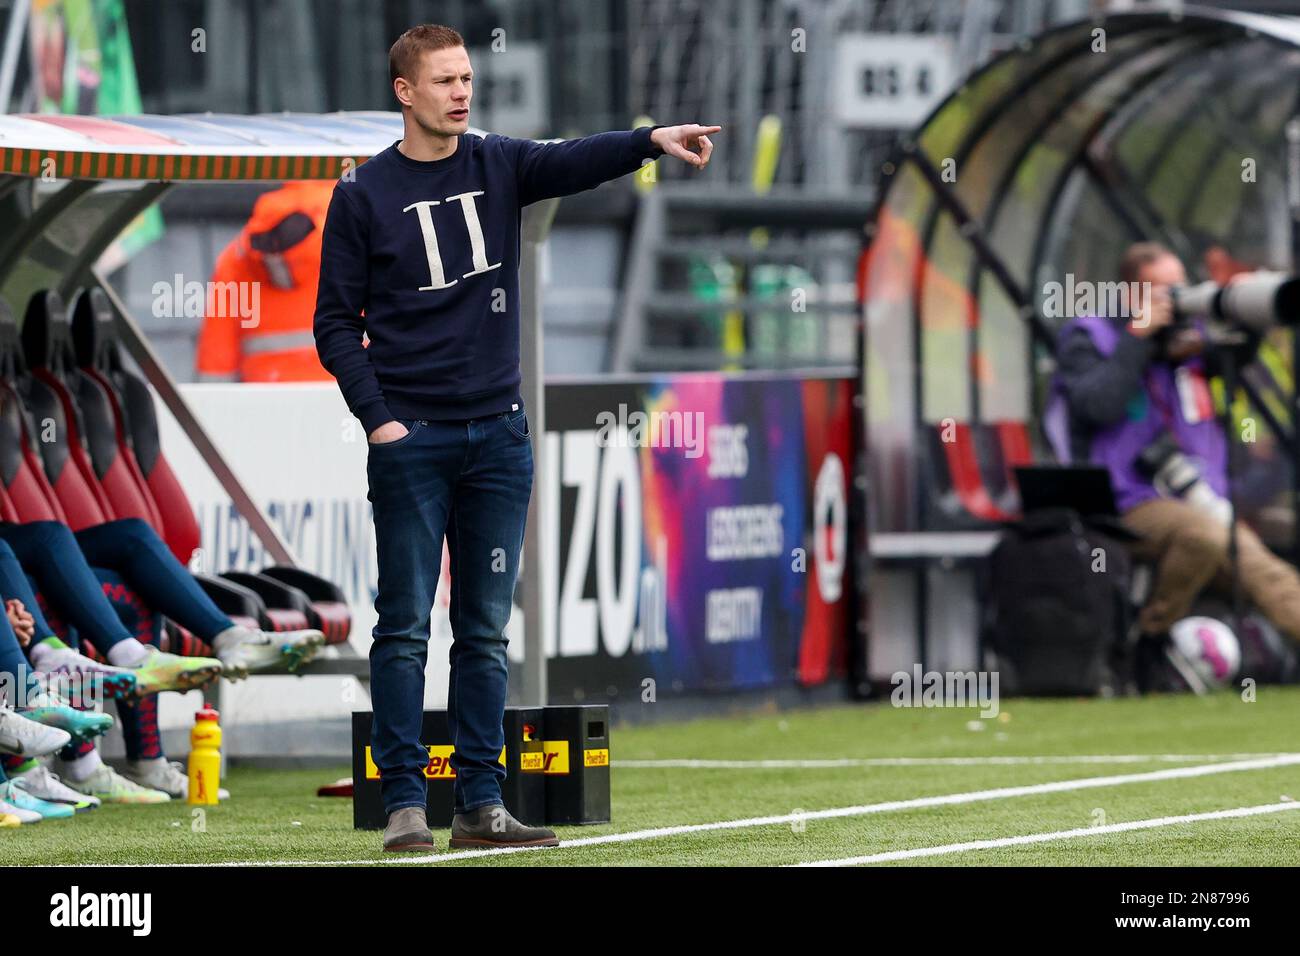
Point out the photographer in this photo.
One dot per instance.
(1139, 403)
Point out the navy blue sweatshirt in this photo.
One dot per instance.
(423, 257)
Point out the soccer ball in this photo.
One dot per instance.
(1205, 652)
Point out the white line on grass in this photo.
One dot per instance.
(1010, 760)
(970, 845)
(999, 793)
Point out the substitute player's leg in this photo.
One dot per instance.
(133, 549)
(484, 537)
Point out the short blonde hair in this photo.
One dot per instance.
(404, 55)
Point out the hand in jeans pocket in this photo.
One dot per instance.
(392, 433)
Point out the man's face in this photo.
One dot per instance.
(439, 95)
(1163, 272)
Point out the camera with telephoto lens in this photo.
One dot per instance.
(1254, 302)
(1176, 476)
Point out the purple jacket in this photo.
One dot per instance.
(1157, 407)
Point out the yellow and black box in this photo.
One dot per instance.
(523, 790)
(576, 763)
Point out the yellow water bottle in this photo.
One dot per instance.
(205, 757)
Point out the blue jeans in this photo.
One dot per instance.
(470, 480)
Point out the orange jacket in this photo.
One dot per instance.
(260, 330)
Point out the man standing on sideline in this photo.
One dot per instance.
(420, 252)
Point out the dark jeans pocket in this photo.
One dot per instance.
(411, 431)
(517, 422)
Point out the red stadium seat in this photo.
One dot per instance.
(27, 495)
(1016, 447)
(333, 617)
(135, 423)
(7, 510)
(971, 476)
(105, 434)
(58, 435)
(963, 470)
(964, 467)
(939, 487)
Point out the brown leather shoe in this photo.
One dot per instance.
(493, 826)
(407, 831)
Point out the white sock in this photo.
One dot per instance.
(41, 654)
(79, 768)
(127, 653)
(232, 635)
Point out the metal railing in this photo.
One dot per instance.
(722, 279)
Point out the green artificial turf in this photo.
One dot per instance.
(275, 815)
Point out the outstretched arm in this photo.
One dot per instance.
(547, 170)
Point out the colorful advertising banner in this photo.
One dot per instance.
(703, 534)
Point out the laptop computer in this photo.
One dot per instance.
(1085, 488)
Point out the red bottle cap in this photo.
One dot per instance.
(207, 713)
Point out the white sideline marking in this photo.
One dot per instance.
(831, 763)
(1054, 835)
(999, 793)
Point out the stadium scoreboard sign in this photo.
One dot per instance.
(890, 80)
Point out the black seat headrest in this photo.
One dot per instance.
(46, 336)
(12, 364)
(94, 335)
